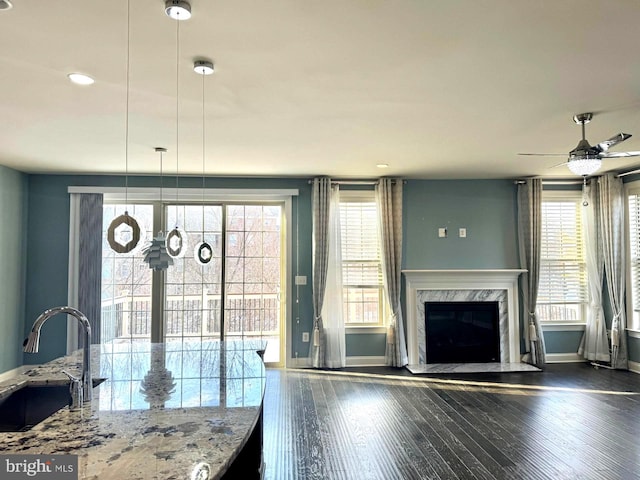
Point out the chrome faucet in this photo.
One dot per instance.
(32, 343)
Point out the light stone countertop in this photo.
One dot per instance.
(164, 410)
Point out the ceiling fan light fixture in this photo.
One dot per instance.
(585, 165)
(178, 9)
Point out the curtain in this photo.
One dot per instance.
(612, 230)
(389, 199)
(321, 205)
(529, 237)
(332, 307)
(594, 345)
(90, 261)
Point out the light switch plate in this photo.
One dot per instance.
(442, 232)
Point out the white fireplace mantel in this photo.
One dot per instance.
(501, 280)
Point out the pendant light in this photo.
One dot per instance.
(177, 9)
(155, 253)
(203, 253)
(177, 237)
(123, 233)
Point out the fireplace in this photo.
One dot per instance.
(462, 332)
(447, 286)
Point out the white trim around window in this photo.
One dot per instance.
(633, 318)
(141, 194)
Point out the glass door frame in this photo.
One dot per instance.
(195, 195)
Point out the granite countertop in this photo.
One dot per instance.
(164, 411)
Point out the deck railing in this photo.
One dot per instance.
(129, 316)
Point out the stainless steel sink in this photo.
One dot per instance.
(25, 408)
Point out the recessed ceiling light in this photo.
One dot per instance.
(80, 79)
(178, 9)
(5, 5)
(382, 165)
(203, 67)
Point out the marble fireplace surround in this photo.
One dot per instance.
(463, 285)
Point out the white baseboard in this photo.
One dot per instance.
(303, 362)
(564, 358)
(634, 367)
(14, 373)
(366, 361)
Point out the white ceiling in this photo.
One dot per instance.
(435, 89)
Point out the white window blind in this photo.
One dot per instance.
(634, 252)
(562, 291)
(361, 262)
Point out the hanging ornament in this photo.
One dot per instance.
(203, 253)
(176, 239)
(155, 254)
(175, 243)
(123, 233)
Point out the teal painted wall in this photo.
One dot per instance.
(48, 244)
(562, 342)
(486, 208)
(13, 234)
(365, 344)
(633, 346)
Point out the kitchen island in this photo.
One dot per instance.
(176, 410)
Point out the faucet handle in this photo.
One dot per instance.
(75, 390)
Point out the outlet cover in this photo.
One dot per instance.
(462, 232)
(305, 337)
(301, 279)
(442, 232)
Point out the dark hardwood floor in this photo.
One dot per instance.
(569, 422)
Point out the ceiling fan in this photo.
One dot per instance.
(585, 159)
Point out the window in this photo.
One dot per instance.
(562, 291)
(361, 262)
(633, 215)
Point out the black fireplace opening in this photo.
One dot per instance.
(462, 332)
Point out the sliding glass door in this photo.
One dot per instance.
(237, 295)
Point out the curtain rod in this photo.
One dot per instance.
(354, 182)
(552, 182)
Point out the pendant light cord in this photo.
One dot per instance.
(203, 159)
(177, 112)
(126, 122)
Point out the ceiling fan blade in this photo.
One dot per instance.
(620, 137)
(619, 154)
(560, 165)
(544, 154)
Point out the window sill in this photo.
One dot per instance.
(633, 333)
(352, 330)
(563, 327)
